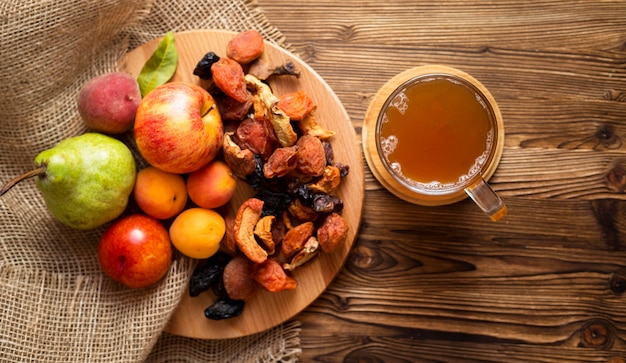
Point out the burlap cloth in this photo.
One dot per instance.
(55, 303)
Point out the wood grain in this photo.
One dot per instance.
(442, 284)
(266, 309)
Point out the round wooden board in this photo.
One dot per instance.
(266, 309)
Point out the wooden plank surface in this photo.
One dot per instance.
(444, 284)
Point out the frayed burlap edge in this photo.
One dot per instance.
(279, 344)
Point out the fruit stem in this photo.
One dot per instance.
(39, 171)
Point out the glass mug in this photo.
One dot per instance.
(433, 135)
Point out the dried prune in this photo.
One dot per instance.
(257, 179)
(275, 202)
(302, 192)
(203, 68)
(224, 308)
(207, 274)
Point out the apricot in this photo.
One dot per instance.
(108, 103)
(197, 232)
(211, 186)
(160, 194)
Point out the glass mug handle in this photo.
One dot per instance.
(482, 194)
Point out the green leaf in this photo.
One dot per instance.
(160, 67)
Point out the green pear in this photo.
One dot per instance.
(85, 180)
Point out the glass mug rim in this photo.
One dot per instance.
(477, 171)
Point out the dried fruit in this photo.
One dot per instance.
(271, 276)
(231, 109)
(297, 105)
(263, 230)
(203, 67)
(207, 274)
(309, 126)
(241, 162)
(332, 233)
(295, 239)
(224, 308)
(274, 201)
(245, 46)
(248, 215)
(301, 212)
(282, 161)
(263, 70)
(312, 158)
(229, 77)
(324, 203)
(238, 281)
(330, 180)
(256, 134)
(229, 244)
(280, 121)
(310, 250)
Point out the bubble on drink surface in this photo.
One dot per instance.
(388, 145)
(401, 102)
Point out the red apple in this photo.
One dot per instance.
(178, 128)
(136, 251)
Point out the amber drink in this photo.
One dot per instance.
(436, 138)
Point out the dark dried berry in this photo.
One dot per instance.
(328, 151)
(274, 202)
(305, 194)
(203, 68)
(324, 203)
(257, 179)
(224, 308)
(208, 274)
(344, 169)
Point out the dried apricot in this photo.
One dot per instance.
(295, 239)
(245, 46)
(271, 276)
(312, 157)
(297, 105)
(282, 161)
(229, 77)
(332, 233)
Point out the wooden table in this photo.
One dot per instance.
(445, 284)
